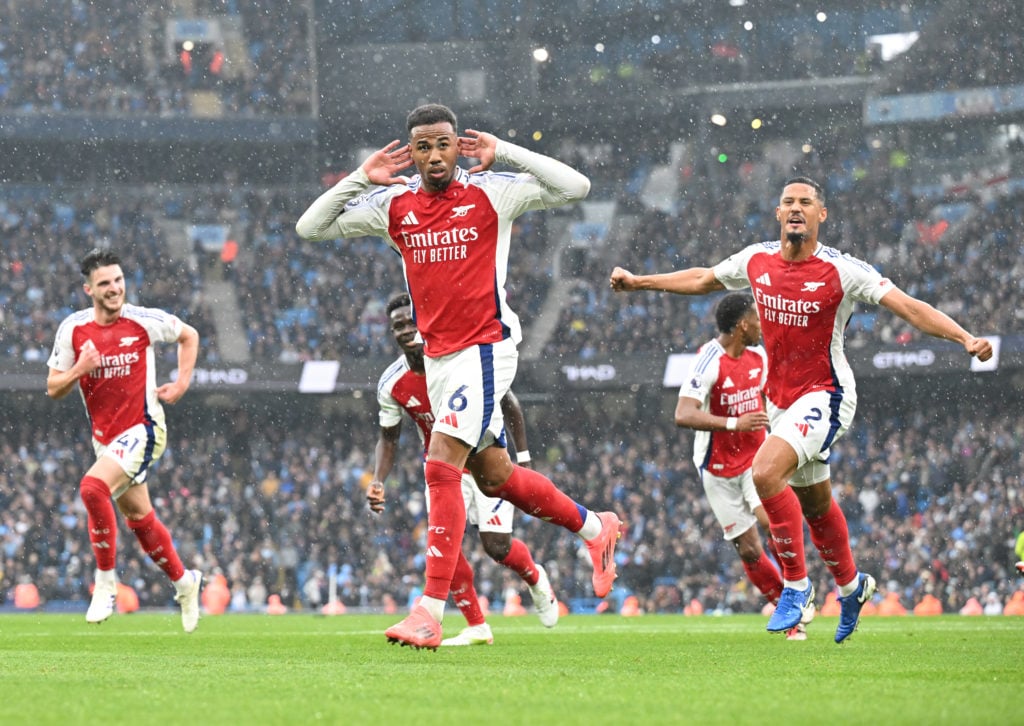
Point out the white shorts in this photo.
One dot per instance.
(466, 389)
(810, 426)
(135, 451)
(733, 501)
(487, 514)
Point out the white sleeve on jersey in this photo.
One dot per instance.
(62, 358)
(732, 271)
(861, 281)
(699, 380)
(390, 411)
(347, 210)
(702, 374)
(547, 182)
(162, 326)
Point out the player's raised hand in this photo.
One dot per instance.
(478, 145)
(979, 347)
(382, 166)
(622, 280)
(375, 496)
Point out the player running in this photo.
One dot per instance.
(805, 293)
(721, 399)
(403, 388)
(107, 350)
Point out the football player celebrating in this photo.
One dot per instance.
(805, 292)
(452, 228)
(107, 352)
(402, 389)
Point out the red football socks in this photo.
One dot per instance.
(156, 541)
(535, 494)
(772, 549)
(519, 560)
(446, 525)
(786, 522)
(464, 593)
(765, 577)
(102, 521)
(831, 536)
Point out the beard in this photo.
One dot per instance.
(796, 238)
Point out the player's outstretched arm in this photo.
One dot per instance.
(692, 281)
(932, 321)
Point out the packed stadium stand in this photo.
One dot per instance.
(165, 59)
(190, 135)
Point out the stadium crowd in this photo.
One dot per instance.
(46, 232)
(634, 45)
(273, 498)
(114, 57)
(966, 32)
(108, 57)
(303, 301)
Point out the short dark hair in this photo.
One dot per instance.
(430, 113)
(97, 258)
(399, 300)
(818, 189)
(731, 310)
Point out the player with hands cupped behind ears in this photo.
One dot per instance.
(452, 229)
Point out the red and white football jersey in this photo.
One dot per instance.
(804, 309)
(726, 386)
(402, 389)
(121, 393)
(454, 247)
(454, 244)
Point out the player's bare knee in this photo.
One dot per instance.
(497, 545)
(489, 478)
(748, 548)
(766, 482)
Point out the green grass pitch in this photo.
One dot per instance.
(596, 669)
